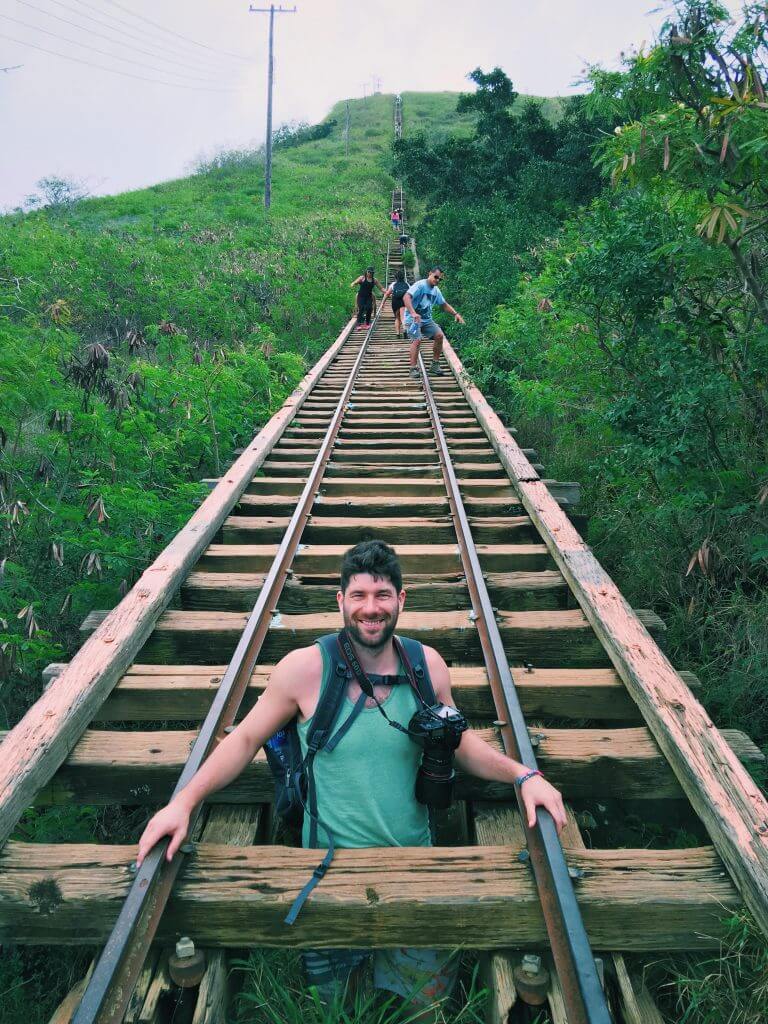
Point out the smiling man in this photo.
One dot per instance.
(366, 785)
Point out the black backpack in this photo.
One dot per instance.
(399, 288)
(292, 774)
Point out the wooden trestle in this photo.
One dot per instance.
(603, 730)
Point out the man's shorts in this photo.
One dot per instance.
(422, 330)
(423, 976)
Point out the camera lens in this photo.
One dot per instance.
(438, 731)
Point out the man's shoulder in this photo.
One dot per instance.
(300, 668)
(438, 670)
(418, 286)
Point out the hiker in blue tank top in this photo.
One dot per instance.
(419, 301)
(364, 790)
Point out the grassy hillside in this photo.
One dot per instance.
(144, 336)
(435, 113)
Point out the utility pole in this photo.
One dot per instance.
(271, 11)
(377, 84)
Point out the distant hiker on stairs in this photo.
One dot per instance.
(397, 290)
(365, 285)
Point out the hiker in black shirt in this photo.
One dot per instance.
(397, 290)
(365, 285)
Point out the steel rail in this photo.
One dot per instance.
(584, 997)
(116, 973)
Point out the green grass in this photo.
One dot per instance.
(274, 993)
(435, 113)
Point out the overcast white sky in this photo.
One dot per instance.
(116, 132)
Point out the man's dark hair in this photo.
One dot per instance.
(435, 268)
(375, 558)
(400, 275)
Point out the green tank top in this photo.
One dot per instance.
(365, 786)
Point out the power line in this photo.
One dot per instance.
(132, 33)
(110, 39)
(94, 49)
(112, 71)
(162, 28)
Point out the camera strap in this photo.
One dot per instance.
(348, 653)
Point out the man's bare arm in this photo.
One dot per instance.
(456, 316)
(408, 302)
(276, 706)
(478, 758)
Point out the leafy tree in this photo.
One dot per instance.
(56, 193)
(703, 123)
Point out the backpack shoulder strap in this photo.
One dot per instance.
(331, 698)
(414, 652)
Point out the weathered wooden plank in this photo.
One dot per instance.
(39, 743)
(329, 529)
(379, 469)
(139, 768)
(154, 693)
(312, 559)
(497, 977)
(213, 993)
(547, 638)
(375, 505)
(402, 486)
(65, 1010)
(232, 591)
(637, 1004)
(235, 825)
(479, 897)
(160, 985)
(562, 637)
(343, 454)
(721, 791)
(148, 972)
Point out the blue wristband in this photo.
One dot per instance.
(529, 775)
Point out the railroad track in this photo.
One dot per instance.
(547, 660)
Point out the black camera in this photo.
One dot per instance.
(437, 730)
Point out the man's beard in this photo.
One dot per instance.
(388, 628)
